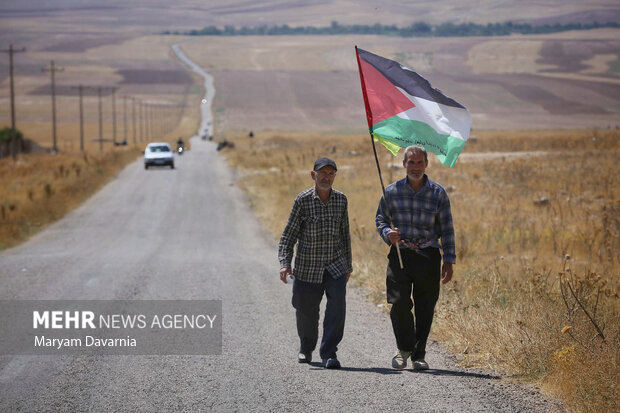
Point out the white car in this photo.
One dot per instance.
(158, 154)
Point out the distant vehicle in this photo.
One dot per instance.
(158, 154)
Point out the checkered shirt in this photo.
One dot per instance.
(321, 232)
(423, 217)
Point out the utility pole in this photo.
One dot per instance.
(80, 89)
(169, 121)
(99, 89)
(141, 121)
(162, 120)
(148, 125)
(114, 115)
(158, 121)
(152, 121)
(125, 118)
(156, 135)
(145, 118)
(13, 143)
(151, 130)
(53, 71)
(133, 115)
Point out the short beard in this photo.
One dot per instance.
(412, 178)
(320, 186)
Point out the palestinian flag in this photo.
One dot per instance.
(403, 109)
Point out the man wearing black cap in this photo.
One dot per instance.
(319, 225)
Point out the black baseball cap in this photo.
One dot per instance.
(322, 162)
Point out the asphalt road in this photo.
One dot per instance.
(189, 234)
(206, 124)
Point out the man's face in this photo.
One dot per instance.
(324, 177)
(415, 166)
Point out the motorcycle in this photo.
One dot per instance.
(180, 150)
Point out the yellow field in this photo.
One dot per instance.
(518, 258)
(143, 68)
(39, 189)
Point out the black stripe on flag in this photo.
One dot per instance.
(407, 79)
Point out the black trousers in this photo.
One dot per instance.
(307, 300)
(421, 277)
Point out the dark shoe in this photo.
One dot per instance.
(304, 358)
(420, 364)
(331, 363)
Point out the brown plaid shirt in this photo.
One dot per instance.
(321, 232)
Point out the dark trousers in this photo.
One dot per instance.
(306, 300)
(421, 276)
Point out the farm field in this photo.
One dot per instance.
(561, 80)
(311, 83)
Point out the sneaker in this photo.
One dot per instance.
(420, 364)
(304, 358)
(331, 363)
(399, 361)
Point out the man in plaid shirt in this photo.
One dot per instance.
(319, 225)
(420, 210)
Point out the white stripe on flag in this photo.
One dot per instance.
(446, 120)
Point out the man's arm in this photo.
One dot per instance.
(447, 230)
(284, 272)
(289, 236)
(446, 272)
(382, 222)
(346, 239)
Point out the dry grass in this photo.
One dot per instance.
(39, 189)
(535, 281)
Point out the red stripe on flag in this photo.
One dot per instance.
(383, 100)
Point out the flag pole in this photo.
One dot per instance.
(374, 149)
(387, 205)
